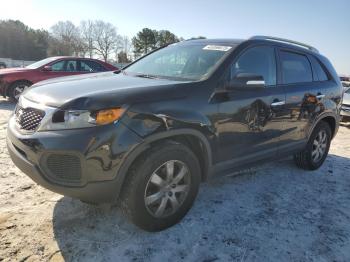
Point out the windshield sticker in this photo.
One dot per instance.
(217, 48)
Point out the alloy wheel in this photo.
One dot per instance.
(19, 90)
(167, 188)
(319, 146)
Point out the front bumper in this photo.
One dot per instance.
(81, 163)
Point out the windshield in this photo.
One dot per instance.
(179, 61)
(41, 63)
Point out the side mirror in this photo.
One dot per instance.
(247, 81)
(47, 68)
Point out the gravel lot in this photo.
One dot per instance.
(275, 213)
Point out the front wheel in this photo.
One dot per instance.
(161, 186)
(316, 151)
(17, 89)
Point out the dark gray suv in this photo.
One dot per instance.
(147, 135)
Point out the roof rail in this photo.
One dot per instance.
(277, 39)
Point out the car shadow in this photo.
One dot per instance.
(258, 214)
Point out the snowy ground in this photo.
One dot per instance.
(277, 213)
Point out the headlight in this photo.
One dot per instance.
(72, 119)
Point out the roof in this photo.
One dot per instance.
(222, 41)
(270, 39)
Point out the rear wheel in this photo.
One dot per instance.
(161, 187)
(17, 88)
(316, 151)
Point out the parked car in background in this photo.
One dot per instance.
(345, 109)
(13, 81)
(2, 65)
(345, 81)
(148, 135)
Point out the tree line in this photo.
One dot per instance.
(92, 38)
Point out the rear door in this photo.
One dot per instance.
(304, 97)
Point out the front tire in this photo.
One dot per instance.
(316, 150)
(17, 88)
(161, 186)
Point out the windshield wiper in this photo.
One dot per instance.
(146, 76)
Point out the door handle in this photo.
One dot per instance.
(278, 103)
(320, 96)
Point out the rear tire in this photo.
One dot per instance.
(16, 89)
(152, 198)
(316, 150)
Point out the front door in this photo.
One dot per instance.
(251, 121)
(61, 68)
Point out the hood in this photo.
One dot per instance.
(5, 71)
(100, 90)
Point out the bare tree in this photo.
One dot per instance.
(106, 38)
(87, 35)
(67, 38)
(124, 47)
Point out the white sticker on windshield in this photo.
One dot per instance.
(217, 48)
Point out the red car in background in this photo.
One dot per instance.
(13, 81)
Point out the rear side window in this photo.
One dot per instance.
(296, 68)
(71, 66)
(320, 72)
(259, 60)
(91, 66)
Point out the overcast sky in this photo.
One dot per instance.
(322, 23)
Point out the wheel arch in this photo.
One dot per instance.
(193, 139)
(330, 119)
(11, 84)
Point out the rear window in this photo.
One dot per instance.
(91, 66)
(320, 72)
(296, 68)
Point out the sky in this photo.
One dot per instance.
(324, 24)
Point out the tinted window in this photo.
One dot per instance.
(71, 66)
(321, 74)
(59, 66)
(258, 60)
(296, 68)
(65, 66)
(91, 66)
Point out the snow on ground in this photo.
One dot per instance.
(275, 213)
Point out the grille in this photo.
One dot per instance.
(29, 118)
(64, 167)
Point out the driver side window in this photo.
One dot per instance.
(259, 60)
(58, 67)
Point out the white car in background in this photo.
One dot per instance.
(345, 81)
(345, 109)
